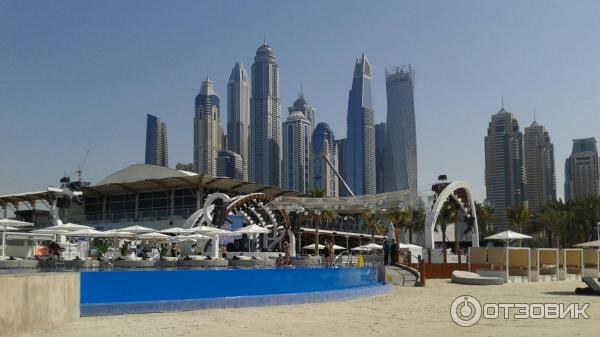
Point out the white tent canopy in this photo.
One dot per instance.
(175, 230)
(508, 235)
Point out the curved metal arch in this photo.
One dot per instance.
(432, 215)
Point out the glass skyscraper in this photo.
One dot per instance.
(400, 167)
(504, 166)
(238, 114)
(539, 168)
(296, 148)
(208, 133)
(265, 119)
(359, 155)
(324, 144)
(582, 170)
(157, 152)
(379, 156)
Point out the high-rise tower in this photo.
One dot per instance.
(539, 167)
(296, 147)
(302, 105)
(400, 168)
(238, 115)
(324, 144)
(207, 129)
(380, 157)
(265, 119)
(157, 152)
(504, 169)
(582, 170)
(359, 156)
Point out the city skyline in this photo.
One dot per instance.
(462, 106)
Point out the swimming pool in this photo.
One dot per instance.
(144, 291)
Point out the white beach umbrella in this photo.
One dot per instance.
(507, 235)
(8, 228)
(252, 229)
(88, 232)
(312, 247)
(69, 227)
(595, 243)
(154, 236)
(368, 247)
(195, 236)
(175, 230)
(4, 223)
(136, 229)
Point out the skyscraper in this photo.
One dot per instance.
(265, 106)
(230, 164)
(208, 133)
(504, 171)
(539, 168)
(157, 152)
(238, 115)
(324, 144)
(582, 176)
(400, 171)
(296, 148)
(302, 105)
(341, 149)
(379, 157)
(359, 155)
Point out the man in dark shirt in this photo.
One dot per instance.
(386, 252)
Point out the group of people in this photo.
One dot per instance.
(390, 252)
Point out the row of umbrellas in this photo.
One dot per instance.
(137, 232)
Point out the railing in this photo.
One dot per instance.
(144, 215)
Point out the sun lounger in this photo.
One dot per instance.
(593, 286)
(465, 277)
(201, 261)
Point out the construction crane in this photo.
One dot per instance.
(324, 157)
(66, 180)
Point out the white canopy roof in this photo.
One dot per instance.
(175, 230)
(8, 228)
(113, 233)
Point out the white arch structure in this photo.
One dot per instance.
(431, 217)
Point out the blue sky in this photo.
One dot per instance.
(77, 75)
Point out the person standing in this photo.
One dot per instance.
(386, 252)
(394, 252)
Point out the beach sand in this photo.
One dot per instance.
(406, 311)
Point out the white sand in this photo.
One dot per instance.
(407, 311)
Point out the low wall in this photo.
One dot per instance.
(36, 302)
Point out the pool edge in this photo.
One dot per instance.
(88, 310)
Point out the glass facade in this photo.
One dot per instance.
(323, 143)
(359, 156)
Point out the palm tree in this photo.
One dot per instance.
(450, 213)
(485, 216)
(373, 222)
(517, 217)
(417, 222)
(317, 193)
(328, 216)
(396, 217)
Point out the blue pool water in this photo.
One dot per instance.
(119, 292)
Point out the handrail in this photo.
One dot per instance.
(341, 254)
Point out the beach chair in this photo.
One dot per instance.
(593, 286)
